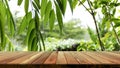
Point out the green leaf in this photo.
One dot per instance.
(2, 12)
(1, 35)
(39, 34)
(10, 46)
(34, 46)
(75, 2)
(105, 2)
(20, 2)
(112, 5)
(71, 4)
(30, 28)
(59, 17)
(62, 4)
(10, 20)
(25, 22)
(42, 40)
(37, 3)
(35, 6)
(37, 21)
(92, 35)
(51, 19)
(117, 4)
(2, 23)
(31, 37)
(43, 7)
(116, 21)
(26, 6)
(104, 10)
(114, 11)
(47, 13)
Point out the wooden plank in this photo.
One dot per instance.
(52, 58)
(32, 58)
(70, 59)
(110, 57)
(23, 58)
(61, 58)
(99, 58)
(4, 53)
(42, 58)
(7, 55)
(117, 52)
(105, 58)
(83, 58)
(13, 57)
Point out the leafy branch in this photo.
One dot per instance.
(113, 28)
(95, 22)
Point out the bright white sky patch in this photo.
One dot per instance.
(80, 13)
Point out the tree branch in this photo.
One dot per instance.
(84, 6)
(98, 35)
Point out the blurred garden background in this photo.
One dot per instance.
(59, 25)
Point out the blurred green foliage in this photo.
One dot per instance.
(46, 29)
(70, 30)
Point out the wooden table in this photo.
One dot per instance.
(59, 58)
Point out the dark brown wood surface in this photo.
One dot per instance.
(60, 57)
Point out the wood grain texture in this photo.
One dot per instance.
(60, 57)
(70, 59)
(42, 58)
(52, 58)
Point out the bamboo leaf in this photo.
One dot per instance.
(43, 7)
(64, 3)
(52, 19)
(31, 37)
(59, 17)
(25, 22)
(42, 40)
(11, 22)
(36, 21)
(37, 29)
(35, 6)
(37, 3)
(10, 46)
(71, 5)
(2, 23)
(75, 2)
(34, 44)
(47, 13)
(30, 28)
(20, 2)
(2, 12)
(26, 6)
(39, 34)
(2, 35)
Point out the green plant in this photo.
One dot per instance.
(38, 21)
(108, 9)
(45, 11)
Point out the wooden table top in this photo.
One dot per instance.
(60, 57)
